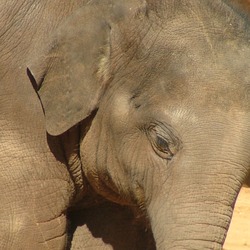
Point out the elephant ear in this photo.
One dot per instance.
(76, 70)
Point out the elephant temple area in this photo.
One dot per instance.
(238, 237)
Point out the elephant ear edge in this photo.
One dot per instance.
(75, 72)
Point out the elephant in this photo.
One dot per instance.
(134, 110)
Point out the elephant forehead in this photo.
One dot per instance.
(220, 81)
(192, 116)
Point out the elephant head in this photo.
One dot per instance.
(166, 88)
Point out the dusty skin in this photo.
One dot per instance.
(238, 237)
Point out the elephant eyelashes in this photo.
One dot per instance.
(163, 141)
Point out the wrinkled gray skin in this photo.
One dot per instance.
(145, 103)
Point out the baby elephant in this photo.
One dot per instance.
(144, 103)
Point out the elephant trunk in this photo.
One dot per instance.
(190, 227)
(193, 212)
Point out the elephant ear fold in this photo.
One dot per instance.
(73, 75)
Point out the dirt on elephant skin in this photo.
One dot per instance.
(238, 237)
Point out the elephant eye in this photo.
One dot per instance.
(162, 146)
(163, 141)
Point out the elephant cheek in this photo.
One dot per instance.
(100, 167)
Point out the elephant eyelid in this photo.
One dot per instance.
(163, 140)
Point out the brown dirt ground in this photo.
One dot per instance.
(238, 237)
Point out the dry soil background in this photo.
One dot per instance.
(238, 237)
